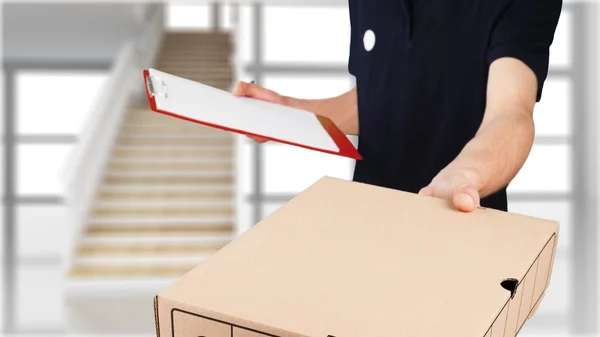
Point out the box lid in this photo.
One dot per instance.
(349, 259)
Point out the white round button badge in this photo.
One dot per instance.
(369, 40)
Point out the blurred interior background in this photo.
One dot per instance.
(106, 203)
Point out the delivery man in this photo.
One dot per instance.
(444, 96)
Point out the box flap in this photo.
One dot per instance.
(348, 259)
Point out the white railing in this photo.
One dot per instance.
(149, 43)
(87, 163)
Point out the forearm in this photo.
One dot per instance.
(342, 109)
(497, 152)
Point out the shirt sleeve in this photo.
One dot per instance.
(525, 30)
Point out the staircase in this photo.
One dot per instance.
(166, 200)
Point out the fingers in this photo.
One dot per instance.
(252, 90)
(244, 89)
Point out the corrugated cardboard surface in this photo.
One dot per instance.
(346, 259)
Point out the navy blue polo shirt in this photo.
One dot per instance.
(421, 69)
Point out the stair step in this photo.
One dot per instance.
(161, 202)
(169, 125)
(197, 42)
(224, 62)
(159, 119)
(173, 153)
(127, 230)
(148, 260)
(169, 173)
(190, 55)
(155, 238)
(176, 142)
(129, 271)
(141, 212)
(221, 180)
(208, 133)
(181, 127)
(164, 222)
(179, 160)
(173, 196)
(167, 188)
(171, 166)
(150, 250)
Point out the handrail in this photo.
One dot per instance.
(86, 165)
(93, 150)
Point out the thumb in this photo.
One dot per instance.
(465, 198)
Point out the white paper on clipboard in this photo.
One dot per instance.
(183, 98)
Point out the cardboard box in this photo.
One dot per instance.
(345, 259)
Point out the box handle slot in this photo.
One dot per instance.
(510, 284)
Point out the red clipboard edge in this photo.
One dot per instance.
(343, 143)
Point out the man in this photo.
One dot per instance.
(445, 93)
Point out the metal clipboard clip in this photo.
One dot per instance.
(156, 86)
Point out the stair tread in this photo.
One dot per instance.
(158, 167)
(131, 271)
(170, 195)
(158, 142)
(99, 250)
(129, 230)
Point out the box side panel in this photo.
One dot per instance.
(162, 313)
(544, 271)
(500, 323)
(527, 296)
(530, 290)
(239, 332)
(514, 307)
(176, 319)
(187, 325)
(156, 322)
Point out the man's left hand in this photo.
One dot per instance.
(456, 187)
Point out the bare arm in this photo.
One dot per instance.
(506, 135)
(502, 144)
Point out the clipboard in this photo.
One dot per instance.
(199, 103)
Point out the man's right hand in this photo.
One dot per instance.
(252, 90)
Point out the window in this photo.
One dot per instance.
(187, 17)
(548, 169)
(562, 49)
(552, 210)
(41, 231)
(42, 109)
(245, 34)
(309, 86)
(269, 208)
(288, 37)
(40, 167)
(290, 169)
(39, 297)
(552, 115)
